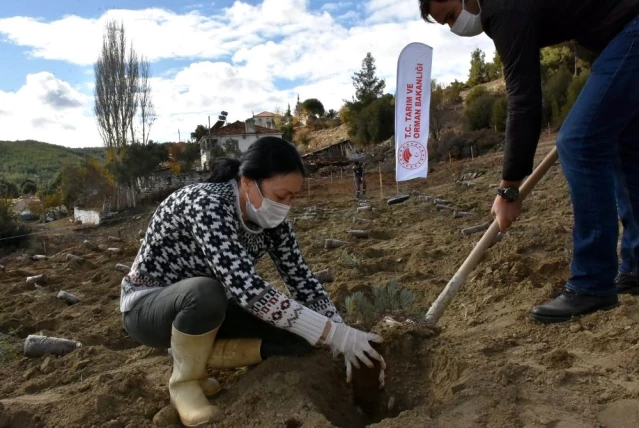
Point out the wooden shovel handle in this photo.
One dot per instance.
(437, 308)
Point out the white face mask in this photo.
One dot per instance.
(269, 215)
(467, 24)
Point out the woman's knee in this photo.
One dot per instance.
(205, 302)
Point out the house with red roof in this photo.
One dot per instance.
(265, 119)
(233, 137)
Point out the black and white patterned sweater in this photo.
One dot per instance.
(198, 231)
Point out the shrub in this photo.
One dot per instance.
(385, 300)
(9, 227)
(459, 145)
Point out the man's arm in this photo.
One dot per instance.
(515, 34)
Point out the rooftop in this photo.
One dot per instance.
(265, 114)
(239, 128)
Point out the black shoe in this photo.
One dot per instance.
(569, 304)
(627, 284)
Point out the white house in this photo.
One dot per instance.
(265, 119)
(242, 134)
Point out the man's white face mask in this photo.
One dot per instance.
(269, 215)
(467, 24)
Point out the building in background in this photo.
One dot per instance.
(232, 140)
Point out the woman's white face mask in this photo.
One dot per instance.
(271, 214)
(467, 24)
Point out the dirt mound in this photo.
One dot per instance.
(487, 365)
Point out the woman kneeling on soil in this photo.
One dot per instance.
(193, 285)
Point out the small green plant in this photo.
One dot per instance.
(350, 260)
(357, 303)
(385, 300)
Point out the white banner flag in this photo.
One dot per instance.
(412, 111)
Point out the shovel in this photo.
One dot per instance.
(437, 308)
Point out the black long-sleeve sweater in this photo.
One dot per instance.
(519, 29)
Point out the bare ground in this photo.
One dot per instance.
(486, 365)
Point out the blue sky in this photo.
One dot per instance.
(242, 57)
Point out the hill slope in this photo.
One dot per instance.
(26, 159)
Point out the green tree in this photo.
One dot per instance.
(494, 70)
(477, 73)
(437, 106)
(574, 90)
(28, 186)
(554, 58)
(88, 184)
(375, 122)
(313, 106)
(478, 108)
(11, 233)
(182, 156)
(500, 113)
(452, 92)
(8, 189)
(554, 93)
(368, 87)
(200, 131)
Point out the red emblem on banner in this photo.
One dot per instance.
(412, 155)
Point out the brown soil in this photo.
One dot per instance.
(486, 365)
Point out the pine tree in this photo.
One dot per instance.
(368, 86)
(477, 72)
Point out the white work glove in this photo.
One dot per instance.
(354, 345)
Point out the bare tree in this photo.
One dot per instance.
(147, 110)
(117, 76)
(116, 89)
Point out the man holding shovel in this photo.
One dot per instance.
(598, 143)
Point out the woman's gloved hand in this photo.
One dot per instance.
(355, 346)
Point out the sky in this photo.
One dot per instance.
(243, 57)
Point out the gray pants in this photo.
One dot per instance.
(196, 306)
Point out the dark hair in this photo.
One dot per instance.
(265, 158)
(424, 9)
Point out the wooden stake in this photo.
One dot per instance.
(475, 229)
(358, 233)
(324, 276)
(381, 182)
(330, 244)
(441, 207)
(122, 268)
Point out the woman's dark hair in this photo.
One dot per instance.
(265, 158)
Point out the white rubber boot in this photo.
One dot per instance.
(233, 353)
(190, 355)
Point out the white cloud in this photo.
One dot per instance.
(48, 109)
(330, 7)
(236, 58)
(387, 10)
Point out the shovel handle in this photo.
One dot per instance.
(443, 300)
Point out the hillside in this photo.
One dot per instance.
(26, 159)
